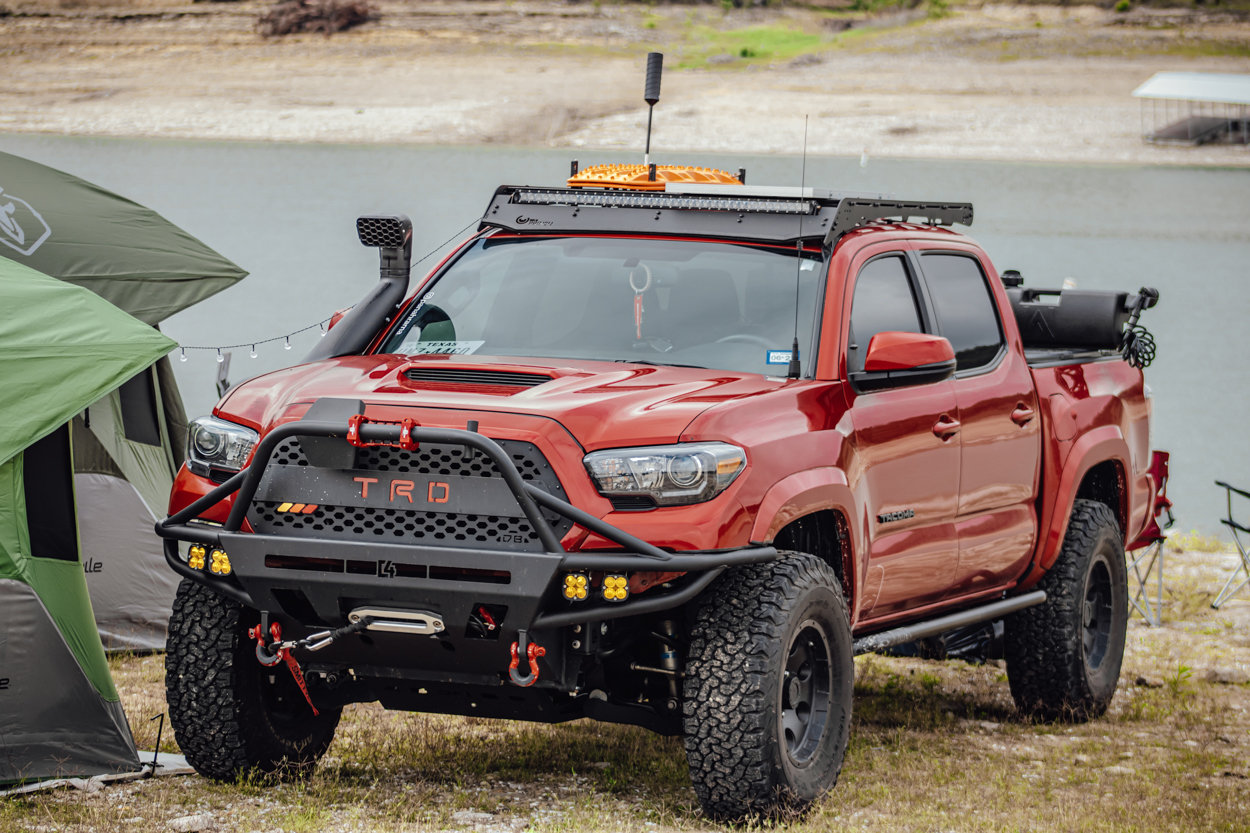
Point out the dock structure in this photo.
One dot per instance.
(1195, 108)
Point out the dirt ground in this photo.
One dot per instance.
(1006, 82)
(935, 746)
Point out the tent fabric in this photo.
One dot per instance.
(61, 348)
(53, 723)
(84, 234)
(132, 589)
(61, 584)
(149, 467)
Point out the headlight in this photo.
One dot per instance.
(671, 475)
(216, 444)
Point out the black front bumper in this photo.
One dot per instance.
(319, 581)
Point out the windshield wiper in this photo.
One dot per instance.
(658, 364)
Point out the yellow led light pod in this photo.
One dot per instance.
(220, 563)
(615, 588)
(575, 587)
(195, 557)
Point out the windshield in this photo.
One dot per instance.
(716, 305)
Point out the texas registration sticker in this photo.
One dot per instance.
(777, 357)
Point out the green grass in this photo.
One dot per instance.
(754, 43)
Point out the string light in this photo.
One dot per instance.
(323, 325)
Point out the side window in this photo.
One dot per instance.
(883, 302)
(966, 314)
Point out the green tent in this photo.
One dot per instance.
(61, 348)
(128, 445)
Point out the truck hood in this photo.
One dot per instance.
(602, 404)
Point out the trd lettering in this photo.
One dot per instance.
(438, 493)
(403, 488)
(364, 485)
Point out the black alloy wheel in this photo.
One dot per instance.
(1097, 614)
(806, 692)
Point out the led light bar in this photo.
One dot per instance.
(654, 200)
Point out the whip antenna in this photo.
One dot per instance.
(795, 369)
(651, 95)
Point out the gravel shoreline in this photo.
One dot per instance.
(1010, 83)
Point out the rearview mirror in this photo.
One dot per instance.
(898, 359)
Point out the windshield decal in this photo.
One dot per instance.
(451, 348)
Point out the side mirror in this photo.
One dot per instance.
(898, 359)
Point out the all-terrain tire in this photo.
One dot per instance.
(227, 716)
(1064, 656)
(757, 631)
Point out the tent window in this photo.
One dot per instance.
(138, 397)
(47, 472)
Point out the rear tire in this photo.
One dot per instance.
(228, 718)
(1064, 656)
(768, 686)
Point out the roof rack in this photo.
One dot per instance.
(735, 212)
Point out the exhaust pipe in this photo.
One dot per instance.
(391, 234)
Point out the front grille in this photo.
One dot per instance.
(410, 526)
(463, 376)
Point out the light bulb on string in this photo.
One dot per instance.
(183, 356)
(323, 329)
(253, 351)
(288, 343)
(220, 357)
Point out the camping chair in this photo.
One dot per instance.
(1145, 555)
(1237, 529)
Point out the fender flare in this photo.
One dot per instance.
(1094, 447)
(807, 492)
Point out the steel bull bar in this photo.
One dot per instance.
(332, 418)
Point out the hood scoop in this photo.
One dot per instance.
(493, 382)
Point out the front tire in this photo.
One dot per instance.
(768, 687)
(227, 716)
(1064, 656)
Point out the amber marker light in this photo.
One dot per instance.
(220, 563)
(575, 587)
(615, 588)
(195, 557)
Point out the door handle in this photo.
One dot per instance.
(1022, 415)
(945, 428)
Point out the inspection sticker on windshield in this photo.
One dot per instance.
(454, 348)
(777, 357)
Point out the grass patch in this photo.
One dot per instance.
(754, 43)
(934, 746)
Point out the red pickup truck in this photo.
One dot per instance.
(663, 449)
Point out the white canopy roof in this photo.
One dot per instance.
(1197, 86)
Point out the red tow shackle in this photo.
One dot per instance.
(532, 651)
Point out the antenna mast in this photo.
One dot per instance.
(651, 95)
(795, 369)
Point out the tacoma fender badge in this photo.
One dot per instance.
(896, 516)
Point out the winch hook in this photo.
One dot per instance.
(532, 651)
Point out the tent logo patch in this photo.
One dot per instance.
(21, 227)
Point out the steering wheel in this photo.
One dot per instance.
(746, 338)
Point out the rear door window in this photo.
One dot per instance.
(884, 302)
(965, 310)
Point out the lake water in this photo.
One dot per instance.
(286, 213)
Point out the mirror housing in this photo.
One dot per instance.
(900, 359)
